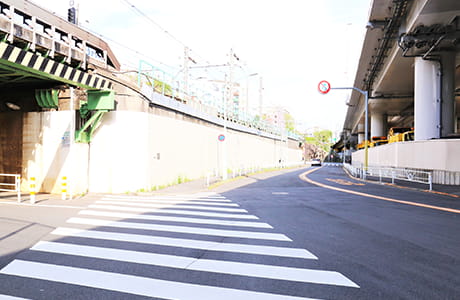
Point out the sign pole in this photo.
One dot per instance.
(324, 87)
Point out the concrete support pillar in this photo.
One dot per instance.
(427, 96)
(377, 125)
(448, 113)
(360, 133)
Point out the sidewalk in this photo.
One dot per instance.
(44, 199)
(191, 187)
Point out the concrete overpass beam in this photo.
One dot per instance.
(426, 99)
(448, 114)
(378, 124)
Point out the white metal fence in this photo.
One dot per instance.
(8, 186)
(412, 175)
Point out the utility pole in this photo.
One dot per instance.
(227, 99)
(261, 89)
(186, 72)
(231, 64)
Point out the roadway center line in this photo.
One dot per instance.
(304, 177)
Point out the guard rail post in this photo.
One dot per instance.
(64, 187)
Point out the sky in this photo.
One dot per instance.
(291, 44)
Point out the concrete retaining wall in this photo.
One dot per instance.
(133, 151)
(48, 155)
(440, 156)
(136, 150)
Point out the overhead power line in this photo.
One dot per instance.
(165, 31)
(141, 13)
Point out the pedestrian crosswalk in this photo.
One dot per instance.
(199, 246)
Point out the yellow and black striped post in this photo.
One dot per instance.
(32, 190)
(64, 187)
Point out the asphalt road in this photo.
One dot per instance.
(268, 236)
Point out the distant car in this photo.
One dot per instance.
(316, 162)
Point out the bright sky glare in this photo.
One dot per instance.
(292, 44)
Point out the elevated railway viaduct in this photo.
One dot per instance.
(67, 112)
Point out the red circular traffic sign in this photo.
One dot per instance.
(324, 87)
(221, 137)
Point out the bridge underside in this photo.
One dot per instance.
(405, 39)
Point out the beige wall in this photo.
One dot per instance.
(48, 155)
(123, 156)
(125, 150)
(440, 156)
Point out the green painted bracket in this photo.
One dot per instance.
(47, 98)
(99, 102)
(101, 99)
(85, 134)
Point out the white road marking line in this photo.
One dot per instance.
(184, 206)
(182, 229)
(173, 211)
(172, 198)
(132, 284)
(175, 219)
(186, 243)
(163, 201)
(205, 265)
(6, 297)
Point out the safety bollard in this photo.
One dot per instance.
(64, 187)
(18, 187)
(32, 190)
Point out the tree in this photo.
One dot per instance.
(323, 139)
(289, 122)
(318, 145)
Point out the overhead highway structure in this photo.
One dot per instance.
(410, 66)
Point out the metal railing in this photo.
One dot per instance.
(55, 38)
(405, 174)
(7, 186)
(208, 98)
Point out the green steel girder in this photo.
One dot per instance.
(47, 98)
(35, 65)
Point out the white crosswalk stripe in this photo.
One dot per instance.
(123, 229)
(187, 243)
(235, 268)
(6, 297)
(172, 205)
(173, 201)
(173, 211)
(167, 198)
(132, 284)
(182, 229)
(174, 219)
